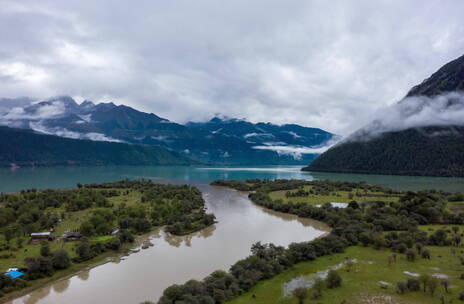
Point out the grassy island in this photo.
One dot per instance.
(386, 246)
(48, 234)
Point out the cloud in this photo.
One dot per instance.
(63, 132)
(266, 135)
(41, 112)
(315, 63)
(298, 151)
(414, 112)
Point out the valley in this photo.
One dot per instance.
(231, 152)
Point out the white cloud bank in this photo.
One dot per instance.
(298, 151)
(327, 64)
(63, 132)
(414, 112)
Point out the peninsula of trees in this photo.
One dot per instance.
(44, 233)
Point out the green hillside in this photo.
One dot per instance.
(409, 152)
(25, 148)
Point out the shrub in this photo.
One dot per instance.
(44, 249)
(425, 254)
(401, 248)
(61, 259)
(38, 267)
(300, 293)
(333, 279)
(419, 247)
(318, 285)
(413, 284)
(432, 285)
(113, 244)
(316, 294)
(125, 236)
(83, 251)
(401, 287)
(410, 255)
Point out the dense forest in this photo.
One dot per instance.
(99, 217)
(429, 151)
(25, 148)
(390, 225)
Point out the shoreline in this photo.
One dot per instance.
(134, 248)
(75, 269)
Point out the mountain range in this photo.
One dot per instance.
(218, 141)
(421, 135)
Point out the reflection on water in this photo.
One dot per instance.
(61, 286)
(144, 275)
(38, 295)
(186, 240)
(84, 275)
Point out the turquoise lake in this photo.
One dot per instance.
(175, 260)
(12, 180)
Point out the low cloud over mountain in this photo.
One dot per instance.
(228, 141)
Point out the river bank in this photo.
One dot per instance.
(175, 259)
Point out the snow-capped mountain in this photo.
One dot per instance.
(226, 141)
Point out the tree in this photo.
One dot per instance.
(445, 284)
(419, 247)
(424, 278)
(83, 251)
(413, 285)
(333, 279)
(61, 259)
(87, 229)
(456, 240)
(410, 255)
(432, 284)
(401, 287)
(38, 267)
(9, 234)
(425, 254)
(300, 293)
(44, 249)
(318, 285)
(19, 242)
(113, 244)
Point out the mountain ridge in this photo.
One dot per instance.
(433, 148)
(120, 123)
(25, 148)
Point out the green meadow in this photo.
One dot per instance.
(361, 281)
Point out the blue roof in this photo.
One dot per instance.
(14, 274)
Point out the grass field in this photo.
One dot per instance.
(14, 257)
(361, 284)
(456, 206)
(336, 196)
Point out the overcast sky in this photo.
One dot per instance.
(327, 64)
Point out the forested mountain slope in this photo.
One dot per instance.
(20, 147)
(435, 147)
